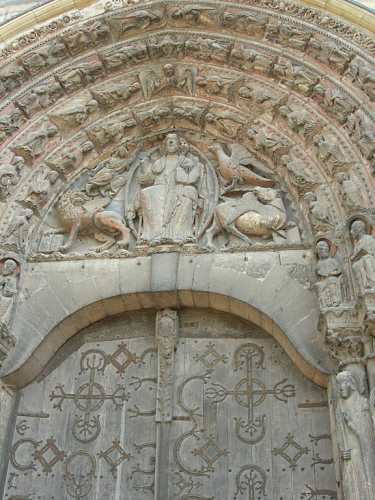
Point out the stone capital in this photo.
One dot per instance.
(344, 333)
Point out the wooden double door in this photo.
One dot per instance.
(130, 410)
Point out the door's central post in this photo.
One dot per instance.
(166, 339)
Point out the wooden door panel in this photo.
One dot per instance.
(247, 424)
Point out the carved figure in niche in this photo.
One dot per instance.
(110, 175)
(73, 114)
(16, 233)
(362, 130)
(300, 121)
(253, 24)
(330, 53)
(35, 142)
(362, 74)
(236, 174)
(194, 14)
(69, 157)
(300, 175)
(43, 96)
(295, 76)
(8, 292)
(215, 84)
(169, 208)
(330, 284)
(208, 49)
(355, 432)
(79, 214)
(39, 187)
(152, 117)
(259, 213)
(170, 76)
(138, 20)
(106, 132)
(261, 98)
(227, 123)
(10, 123)
(330, 153)
(12, 76)
(114, 93)
(351, 193)
(292, 37)
(166, 46)
(10, 175)
(338, 104)
(74, 78)
(319, 211)
(363, 256)
(269, 143)
(48, 55)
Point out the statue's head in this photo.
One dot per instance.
(9, 267)
(357, 228)
(169, 70)
(172, 143)
(347, 384)
(323, 249)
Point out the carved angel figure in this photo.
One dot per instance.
(363, 257)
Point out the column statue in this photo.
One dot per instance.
(363, 257)
(356, 439)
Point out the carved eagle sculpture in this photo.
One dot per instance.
(234, 173)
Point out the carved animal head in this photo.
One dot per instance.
(73, 198)
(266, 195)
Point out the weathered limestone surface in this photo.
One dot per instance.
(187, 207)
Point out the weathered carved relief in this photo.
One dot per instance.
(76, 215)
(172, 203)
(9, 286)
(166, 335)
(360, 72)
(78, 75)
(330, 153)
(44, 95)
(113, 93)
(355, 431)
(34, 143)
(75, 113)
(10, 174)
(363, 256)
(352, 196)
(331, 284)
(274, 144)
(167, 77)
(177, 207)
(10, 122)
(48, 55)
